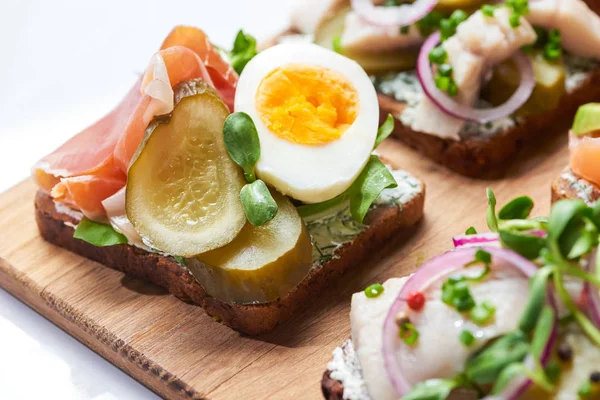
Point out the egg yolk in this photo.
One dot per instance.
(307, 104)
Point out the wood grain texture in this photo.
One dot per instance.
(179, 352)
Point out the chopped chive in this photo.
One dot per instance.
(438, 55)
(374, 290)
(457, 17)
(404, 30)
(445, 70)
(466, 338)
(408, 333)
(452, 89)
(514, 19)
(456, 293)
(442, 82)
(482, 313)
(488, 10)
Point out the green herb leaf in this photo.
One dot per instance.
(431, 389)
(242, 143)
(384, 130)
(98, 234)
(537, 299)
(586, 325)
(244, 49)
(180, 260)
(529, 246)
(470, 231)
(491, 219)
(308, 210)
(507, 375)
(586, 239)
(561, 214)
(485, 367)
(518, 208)
(368, 186)
(542, 332)
(259, 205)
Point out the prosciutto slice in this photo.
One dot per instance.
(92, 166)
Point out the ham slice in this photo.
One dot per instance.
(92, 166)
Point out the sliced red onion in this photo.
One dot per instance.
(592, 293)
(468, 113)
(479, 239)
(486, 239)
(423, 277)
(402, 15)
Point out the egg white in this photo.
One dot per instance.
(310, 173)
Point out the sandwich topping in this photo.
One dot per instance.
(250, 169)
(509, 314)
(480, 68)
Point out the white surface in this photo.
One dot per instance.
(63, 64)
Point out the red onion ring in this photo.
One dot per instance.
(592, 293)
(486, 239)
(468, 113)
(479, 239)
(402, 15)
(424, 276)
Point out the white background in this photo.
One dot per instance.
(63, 64)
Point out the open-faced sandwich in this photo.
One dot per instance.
(581, 179)
(247, 213)
(468, 82)
(509, 314)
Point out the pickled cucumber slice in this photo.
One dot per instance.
(372, 63)
(262, 263)
(182, 188)
(549, 84)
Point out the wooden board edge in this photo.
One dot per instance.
(99, 340)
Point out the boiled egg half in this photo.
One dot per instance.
(316, 114)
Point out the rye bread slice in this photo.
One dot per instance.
(569, 186)
(488, 157)
(253, 319)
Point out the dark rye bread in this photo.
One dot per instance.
(332, 388)
(488, 157)
(255, 319)
(569, 186)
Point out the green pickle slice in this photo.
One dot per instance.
(182, 188)
(262, 263)
(549, 85)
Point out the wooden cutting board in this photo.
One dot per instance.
(179, 352)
